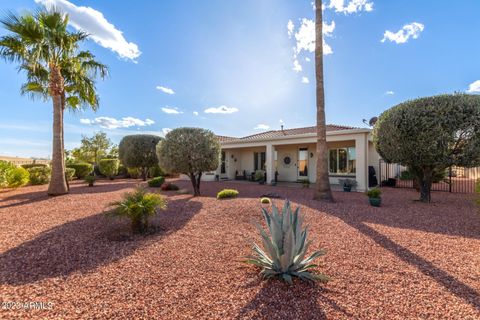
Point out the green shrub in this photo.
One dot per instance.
(374, 193)
(259, 175)
(39, 175)
(285, 248)
(109, 167)
(139, 151)
(32, 165)
(406, 175)
(5, 168)
(134, 173)
(265, 200)
(138, 206)
(90, 180)
(227, 193)
(155, 171)
(69, 174)
(167, 186)
(81, 169)
(17, 177)
(122, 170)
(156, 182)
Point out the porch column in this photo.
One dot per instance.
(269, 165)
(361, 153)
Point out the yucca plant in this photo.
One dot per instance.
(138, 206)
(284, 250)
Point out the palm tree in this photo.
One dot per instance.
(55, 67)
(322, 186)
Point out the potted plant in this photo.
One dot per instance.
(374, 197)
(348, 184)
(260, 176)
(90, 180)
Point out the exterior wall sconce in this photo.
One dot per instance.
(311, 154)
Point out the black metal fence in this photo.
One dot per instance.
(456, 179)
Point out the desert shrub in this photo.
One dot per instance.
(109, 167)
(265, 200)
(138, 206)
(139, 151)
(259, 175)
(39, 175)
(81, 169)
(69, 174)
(155, 171)
(227, 193)
(283, 255)
(133, 173)
(167, 186)
(156, 182)
(5, 168)
(122, 170)
(32, 165)
(90, 180)
(191, 151)
(374, 193)
(17, 177)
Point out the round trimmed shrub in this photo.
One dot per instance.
(156, 182)
(167, 186)
(139, 151)
(5, 168)
(33, 165)
(17, 177)
(109, 167)
(265, 200)
(133, 173)
(227, 193)
(69, 174)
(81, 169)
(39, 175)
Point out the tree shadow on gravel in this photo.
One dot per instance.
(278, 300)
(85, 244)
(76, 189)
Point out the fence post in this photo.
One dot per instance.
(450, 179)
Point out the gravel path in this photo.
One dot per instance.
(405, 260)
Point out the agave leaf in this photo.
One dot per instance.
(313, 256)
(289, 247)
(288, 278)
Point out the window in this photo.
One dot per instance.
(259, 160)
(222, 166)
(342, 160)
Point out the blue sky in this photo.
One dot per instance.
(231, 65)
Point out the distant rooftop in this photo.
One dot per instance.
(285, 132)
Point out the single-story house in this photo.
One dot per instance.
(289, 155)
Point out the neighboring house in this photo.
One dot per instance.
(19, 161)
(291, 153)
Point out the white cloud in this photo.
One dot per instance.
(281, 121)
(389, 93)
(307, 59)
(262, 127)
(351, 6)
(171, 110)
(112, 123)
(305, 37)
(165, 90)
(195, 113)
(290, 28)
(305, 80)
(94, 23)
(411, 30)
(221, 109)
(474, 87)
(297, 66)
(165, 131)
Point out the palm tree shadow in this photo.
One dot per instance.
(278, 300)
(85, 244)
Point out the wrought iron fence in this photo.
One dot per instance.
(456, 179)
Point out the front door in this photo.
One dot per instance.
(223, 165)
(302, 163)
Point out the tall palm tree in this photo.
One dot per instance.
(322, 186)
(55, 68)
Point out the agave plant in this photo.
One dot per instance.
(285, 248)
(138, 206)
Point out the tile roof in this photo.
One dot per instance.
(280, 133)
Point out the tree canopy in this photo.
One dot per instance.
(190, 151)
(139, 151)
(431, 134)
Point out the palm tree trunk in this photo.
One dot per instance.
(322, 186)
(58, 183)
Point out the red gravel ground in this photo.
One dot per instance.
(405, 260)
